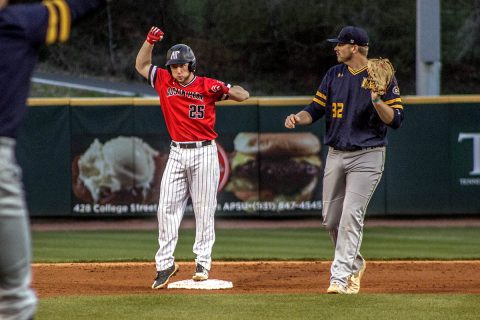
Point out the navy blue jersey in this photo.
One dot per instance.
(351, 119)
(23, 29)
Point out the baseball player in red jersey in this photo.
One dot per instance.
(188, 106)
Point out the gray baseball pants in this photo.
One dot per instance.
(17, 299)
(349, 182)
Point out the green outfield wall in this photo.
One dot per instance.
(432, 166)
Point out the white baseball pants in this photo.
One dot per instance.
(189, 173)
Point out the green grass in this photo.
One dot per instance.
(258, 244)
(254, 306)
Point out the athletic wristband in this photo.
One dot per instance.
(228, 86)
(376, 100)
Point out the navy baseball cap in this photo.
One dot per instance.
(351, 35)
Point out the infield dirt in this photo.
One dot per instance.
(294, 277)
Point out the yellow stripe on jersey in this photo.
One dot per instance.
(395, 103)
(59, 21)
(321, 95)
(355, 72)
(320, 102)
(65, 19)
(393, 100)
(52, 30)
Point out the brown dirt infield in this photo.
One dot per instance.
(294, 277)
(66, 279)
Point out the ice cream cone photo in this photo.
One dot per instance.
(122, 170)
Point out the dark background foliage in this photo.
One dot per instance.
(271, 47)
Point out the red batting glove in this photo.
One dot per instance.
(154, 35)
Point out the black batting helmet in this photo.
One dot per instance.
(181, 54)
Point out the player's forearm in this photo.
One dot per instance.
(304, 118)
(239, 94)
(144, 59)
(300, 119)
(384, 111)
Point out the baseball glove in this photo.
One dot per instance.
(380, 74)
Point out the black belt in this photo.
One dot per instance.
(192, 145)
(350, 149)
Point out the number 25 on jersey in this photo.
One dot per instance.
(196, 111)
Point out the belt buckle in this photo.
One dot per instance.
(191, 145)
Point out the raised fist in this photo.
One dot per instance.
(154, 35)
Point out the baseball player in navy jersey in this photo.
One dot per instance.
(23, 28)
(188, 106)
(356, 133)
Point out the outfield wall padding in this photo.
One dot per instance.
(432, 165)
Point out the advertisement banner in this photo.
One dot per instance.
(465, 164)
(115, 171)
(271, 173)
(116, 174)
(43, 150)
(105, 157)
(118, 162)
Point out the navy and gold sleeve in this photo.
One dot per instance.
(316, 108)
(392, 99)
(50, 21)
(61, 14)
(59, 21)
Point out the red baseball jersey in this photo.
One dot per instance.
(188, 109)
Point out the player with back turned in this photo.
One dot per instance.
(23, 29)
(356, 133)
(188, 106)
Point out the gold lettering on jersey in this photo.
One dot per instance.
(188, 94)
(337, 110)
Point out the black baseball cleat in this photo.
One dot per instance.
(163, 276)
(201, 273)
